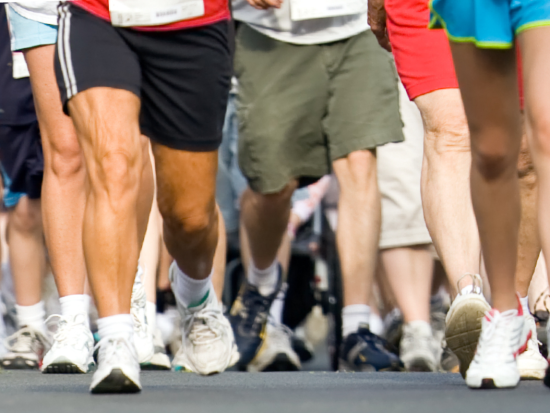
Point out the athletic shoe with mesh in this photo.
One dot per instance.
(26, 348)
(73, 346)
(277, 354)
(117, 367)
(463, 322)
(418, 348)
(143, 339)
(364, 351)
(503, 337)
(531, 364)
(248, 318)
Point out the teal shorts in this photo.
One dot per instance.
(26, 33)
(490, 24)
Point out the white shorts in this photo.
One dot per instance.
(399, 169)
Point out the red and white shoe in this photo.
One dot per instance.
(503, 337)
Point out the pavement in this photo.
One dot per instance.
(311, 392)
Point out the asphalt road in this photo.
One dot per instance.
(230, 392)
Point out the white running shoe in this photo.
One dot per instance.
(160, 360)
(531, 364)
(26, 347)
(463, 322)
(73, 347)
(503, 337)
(117, 367)
(143, 339)
(276, 354)
(418, 347)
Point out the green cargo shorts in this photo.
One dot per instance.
(303, 106)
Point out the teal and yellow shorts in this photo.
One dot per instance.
(490, 24)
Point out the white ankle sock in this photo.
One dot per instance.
(265, 280)
(276, 310)
(75, 304)
(191, 292)
(376, 325)
(115, 326)
(32, 316)
(151, 313)
(525, 305)
(353, 316)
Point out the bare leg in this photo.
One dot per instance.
(492, 108)
(218, 275)
(409, 272)
(63, 189)
(26, 251)
(359, 216)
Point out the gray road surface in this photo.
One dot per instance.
(230, 392)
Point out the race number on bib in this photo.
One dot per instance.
(20, 69)
(317, 9)
(132, 13)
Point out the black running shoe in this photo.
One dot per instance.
(248, 318)
(366, 352)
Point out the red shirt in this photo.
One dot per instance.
(214, 11)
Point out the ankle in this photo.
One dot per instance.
(33, 316)
(115, 326)
(265, 280)
(74, 304)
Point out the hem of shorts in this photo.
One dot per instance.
(261, 186)
(344, 149)
(20, 44)
(207, 145)
(404, 238)
(437, 22)
(532, 25)
(428, 86)
(85, 85)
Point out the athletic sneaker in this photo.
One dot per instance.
(117, 367)
(26, 348)
(73, 347)
(277, 354)
(364, 351)
(248, 318)
(464, 322)
(143, 339)
(503, 337)
(531, 364)
(160, 360)
(418, 347)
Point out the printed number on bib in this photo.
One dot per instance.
(134, 13)
(317, 9)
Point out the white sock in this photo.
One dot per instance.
(151, 313)
(88, 300)
(191, 292)
(276, 310)
(525, 305)
(376, 325)
(469, 289)
(32, 316)
(265, 280)
(75, 304)
(115, 326)
(353, 316)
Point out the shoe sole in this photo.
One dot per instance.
(463, 330)
(281, 363)
(20, 363)
(153, 367)
(116, 382)
(532, 374)
(420, 365)
(489, 384)
(64, 368)
(345, 367)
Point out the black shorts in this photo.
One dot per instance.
(182, 77)
(22, 161)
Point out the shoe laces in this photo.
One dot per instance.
(69, 330)
(476, 283)
(116, 350)
(254, 312)
(25, 340)
(495, 335)
(205, 326)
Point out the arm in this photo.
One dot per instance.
(377, 22)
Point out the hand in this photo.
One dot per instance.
(265, 4)
(377, 22)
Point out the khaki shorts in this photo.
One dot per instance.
(302, 107)
(399, 169)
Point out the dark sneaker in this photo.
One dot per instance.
(248, 318)
(364, 351)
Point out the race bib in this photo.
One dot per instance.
(132, 13)
(20, 69)
(317, 9)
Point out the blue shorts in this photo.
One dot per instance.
(27, 33)
(490, 24)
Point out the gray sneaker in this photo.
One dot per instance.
(418, 348)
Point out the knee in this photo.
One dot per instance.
(447, 137)
(491, 156)
(188, 220)
(356, 173)
(66, 160)
(26, 216)
(116, 174)
(272, 203)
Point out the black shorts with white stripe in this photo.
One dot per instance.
(182, 76)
